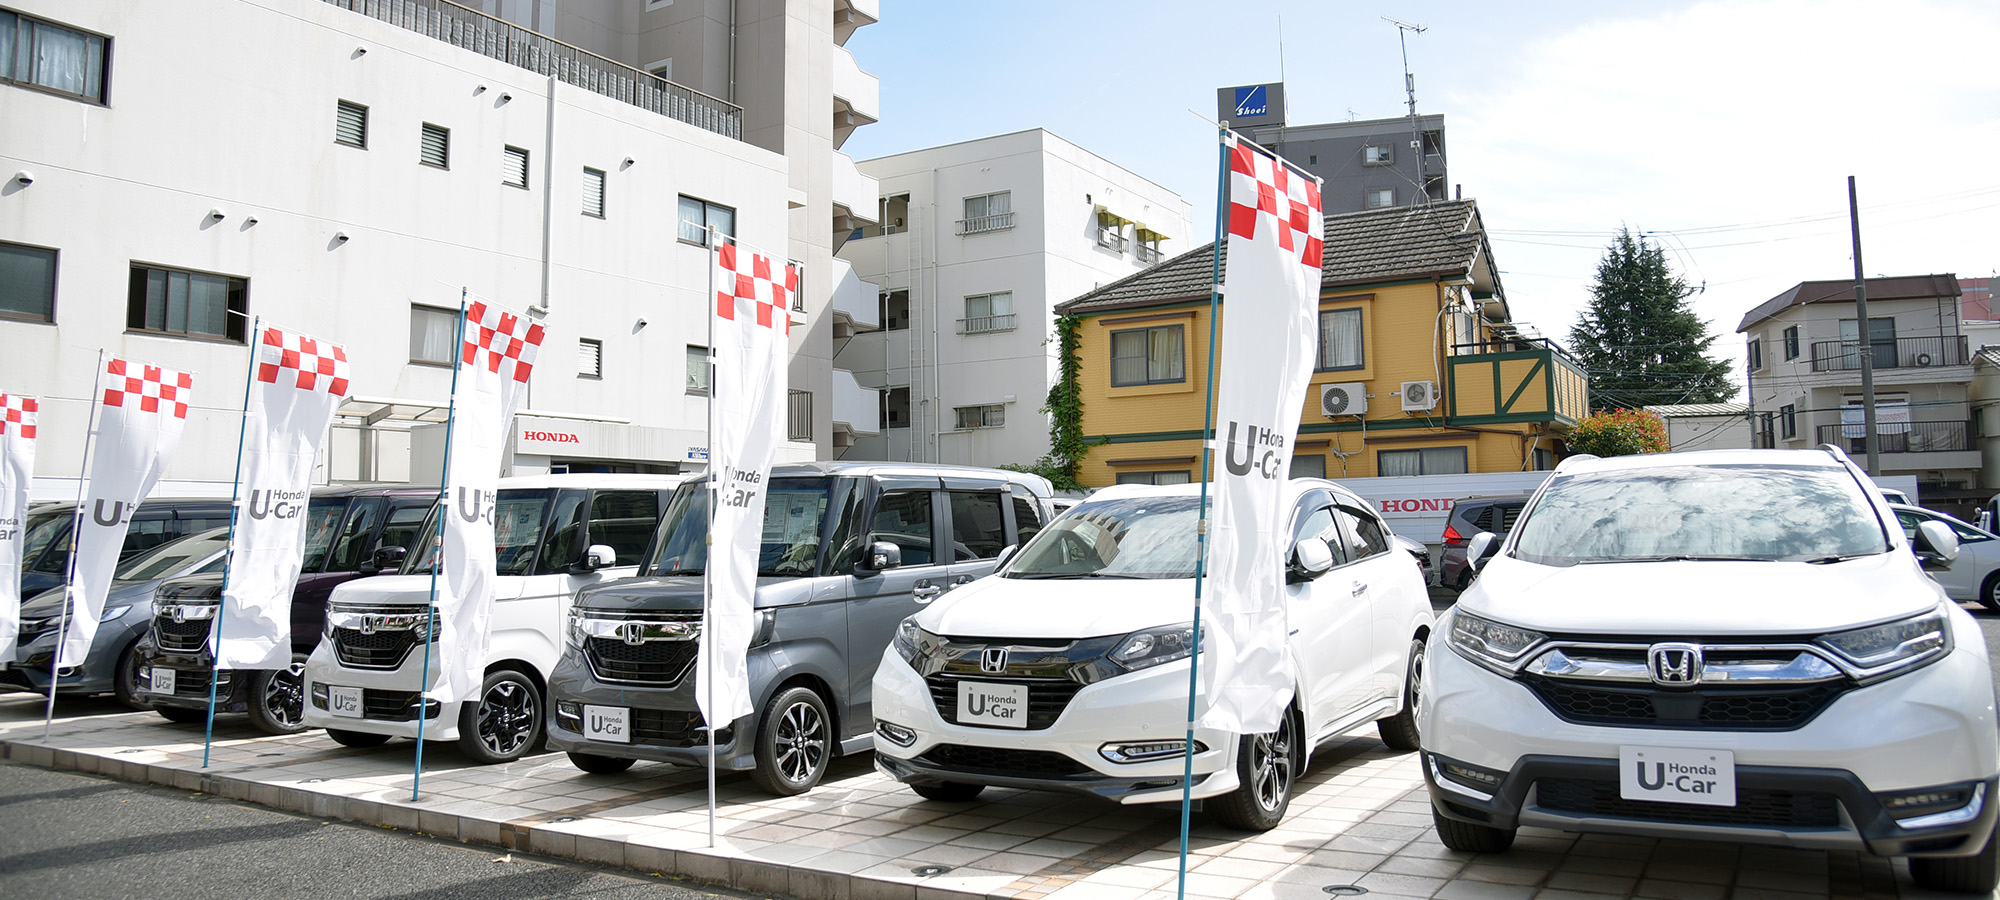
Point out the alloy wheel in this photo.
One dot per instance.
(801, 742)
(285, 695)
(507, 717)
(1271, 766)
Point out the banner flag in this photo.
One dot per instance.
(1270, 302)
(751, 325)
(17, 467)
(297, 383)
(496, 354)
(140, 414)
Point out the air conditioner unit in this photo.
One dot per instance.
(1347, 399)
(1420, 396)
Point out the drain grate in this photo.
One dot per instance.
(928, 871)
(1344, 890)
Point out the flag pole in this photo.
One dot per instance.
(75, 531)
(229, 546)
(431, 624)
(1201, 527)
(708, 552)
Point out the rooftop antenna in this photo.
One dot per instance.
(1403, 29)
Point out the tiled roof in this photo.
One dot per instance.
(1899, 288)
(1368, 247)
(1988, 356)
(1676, 410)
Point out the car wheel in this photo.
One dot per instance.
(1471, 837)
(125, 679)
(357, 738)
(182, 716)
(599, 765)
(277, 698)
(1266, 772)
(506, 721)
(948, 791)
(1400, 731)
(794, 743)
(1989, 593)
(1976, 874)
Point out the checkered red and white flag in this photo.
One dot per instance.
(17, 468)
(1270, 304)
(752, 319)
(296, 385)
(140, 412)
(497, 350)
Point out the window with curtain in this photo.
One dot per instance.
(989, 312)
(697, 215)
(198, 304)
(1148, 356)
(433, 331)
(988, 212)
(27, 283)
(1377, 199)
(989, 416)
(1313, 466)
(45, 55)
(1180, 477)
(697, 369)
(1425, 461)
(1339, 339)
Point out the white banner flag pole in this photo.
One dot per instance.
(437, 552)
(18, 415)
(229, 545)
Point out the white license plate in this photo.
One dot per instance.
(344, 701)
(1677, 775)
(982, 703)
(607, 723)
(162, 679)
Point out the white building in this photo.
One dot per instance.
(949, 319)
(349, 176)
(1706, 426)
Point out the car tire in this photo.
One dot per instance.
(1976, 874)
(1400, 731)
(125, 679)
(1267, 771)
(181, 716)
(505, 722)
(600, 765)
(1464, 579)
(948, 791)
(794, 743)
(357, 738)
(1470, 837)
(1989, 592)
(277, 698)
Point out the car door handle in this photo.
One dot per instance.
(925, 591)
(1360, 588)
(961, 580)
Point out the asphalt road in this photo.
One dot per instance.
(65, 836)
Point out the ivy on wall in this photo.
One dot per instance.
(1064, 407)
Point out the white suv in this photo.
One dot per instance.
(1068, 670)
(1733, 645)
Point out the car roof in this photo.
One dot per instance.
(1294, 489)
(1036, 483)
(587, 480)
(373, 489)
(1815, 458)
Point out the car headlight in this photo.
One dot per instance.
(914, 644)
(1892, 648)
(573, 630)
(1499, 647)
(1154, 646)
(114, 613)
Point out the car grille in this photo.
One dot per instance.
(668, 727)
(1003, 761)
(653, 662)
(190, 636)
(1813, 809)
(1747, 708)
(1047, 698)
(394, 706)
(381, 650)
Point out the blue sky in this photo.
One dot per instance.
(1727, 128)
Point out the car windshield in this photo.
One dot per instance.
(794, 520)
(1130, 537)
(519, 515)
(43, 528)
(170, 558)
(1752, 512)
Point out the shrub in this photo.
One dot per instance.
(1620, 432)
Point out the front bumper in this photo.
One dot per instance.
(666, 721)
(99, 671)
(389, 696)
(191, 680)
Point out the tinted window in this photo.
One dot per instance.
(977, 529)
(794, 519)
(1319, 523)
(356, 532)
(903, 518)
(560, 548)
(1369, 535)
(405, 522)
(623, 520)
(323, 517)
(1132, 537)
(1027, 515)
(44, 530)
(517, 528)
(169, 559)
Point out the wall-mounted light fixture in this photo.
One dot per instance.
(217, 214)
(24, 177)
(340, 236)
(506, 97)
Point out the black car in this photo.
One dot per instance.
(1469, 517)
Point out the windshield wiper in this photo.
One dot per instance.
(1823, 560)
(671, 572)
(1036, 576)
(1684, 557)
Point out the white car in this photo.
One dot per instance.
(1652, 651)
(1975, 574)
(1068, 669)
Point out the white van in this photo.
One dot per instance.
(553, 534)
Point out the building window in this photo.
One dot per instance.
(1148, 356)
(1788, 421)
(514, 167)
(593, 192)
(27, 283)
(1111, 232)
(1755, 352)
(1148, 249)
(798, 286)
(45, 55)
(350, 124)
(799, 415)
(1313, 466)
(896, 407)
(434, 148)
(1434, 187)
(1433, 143)
(1339, 339)
(988, 212)
(590, 357)
(989, 416)
(988, 312)
(698, 216)
(433, 332)
(1792, 342)
(1377, 199)
(697, 370)
(198, 304)
(1425, 461)
(1180, 477)
(1376, 156)
(896, 311)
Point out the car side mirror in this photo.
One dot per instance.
(599, 556)
(385, 559)
(1006, 553)
(881, 555)
(1482, 548)
(1936, 545)
(1311, 558)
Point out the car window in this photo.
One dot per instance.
(323, 517)
(1321, 524)
(1027, 515)
(903, 518)
(405, 522)
(146, 533)
(357, 530)
(978, 530)
(517, 528)
(44, 531)
(1370, 537)
(1128, 537)
(559, 546)
(623, 520)
(1966, 533)
(170, 558)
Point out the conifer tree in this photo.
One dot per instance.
(1639, 341)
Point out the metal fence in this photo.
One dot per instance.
(1901, 437)
(502, 40)
(983, 324)
(994, 222)
(1890, 353)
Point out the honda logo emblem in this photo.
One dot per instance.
(993, 660)
(1674, 664)
(179, 613)
(370, 623)
(634, 633)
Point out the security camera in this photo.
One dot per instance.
(25, 177)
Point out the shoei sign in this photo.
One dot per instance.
(1254, 104)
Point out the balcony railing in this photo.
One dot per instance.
(1890, 353)
(1511, 345)
(1901, 437)
(981, 224)
(502, 40)
(1111, 240)
(984, 324)
(1147, 254)
(799, 416)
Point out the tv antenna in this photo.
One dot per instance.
(1403, 29)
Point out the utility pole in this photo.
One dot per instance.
(1410, 87)
(1866, 337)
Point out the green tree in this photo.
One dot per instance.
(1639, 341)
(1620, 432)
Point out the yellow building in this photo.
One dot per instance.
(1420, 370)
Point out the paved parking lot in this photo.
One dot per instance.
(1361, 819)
